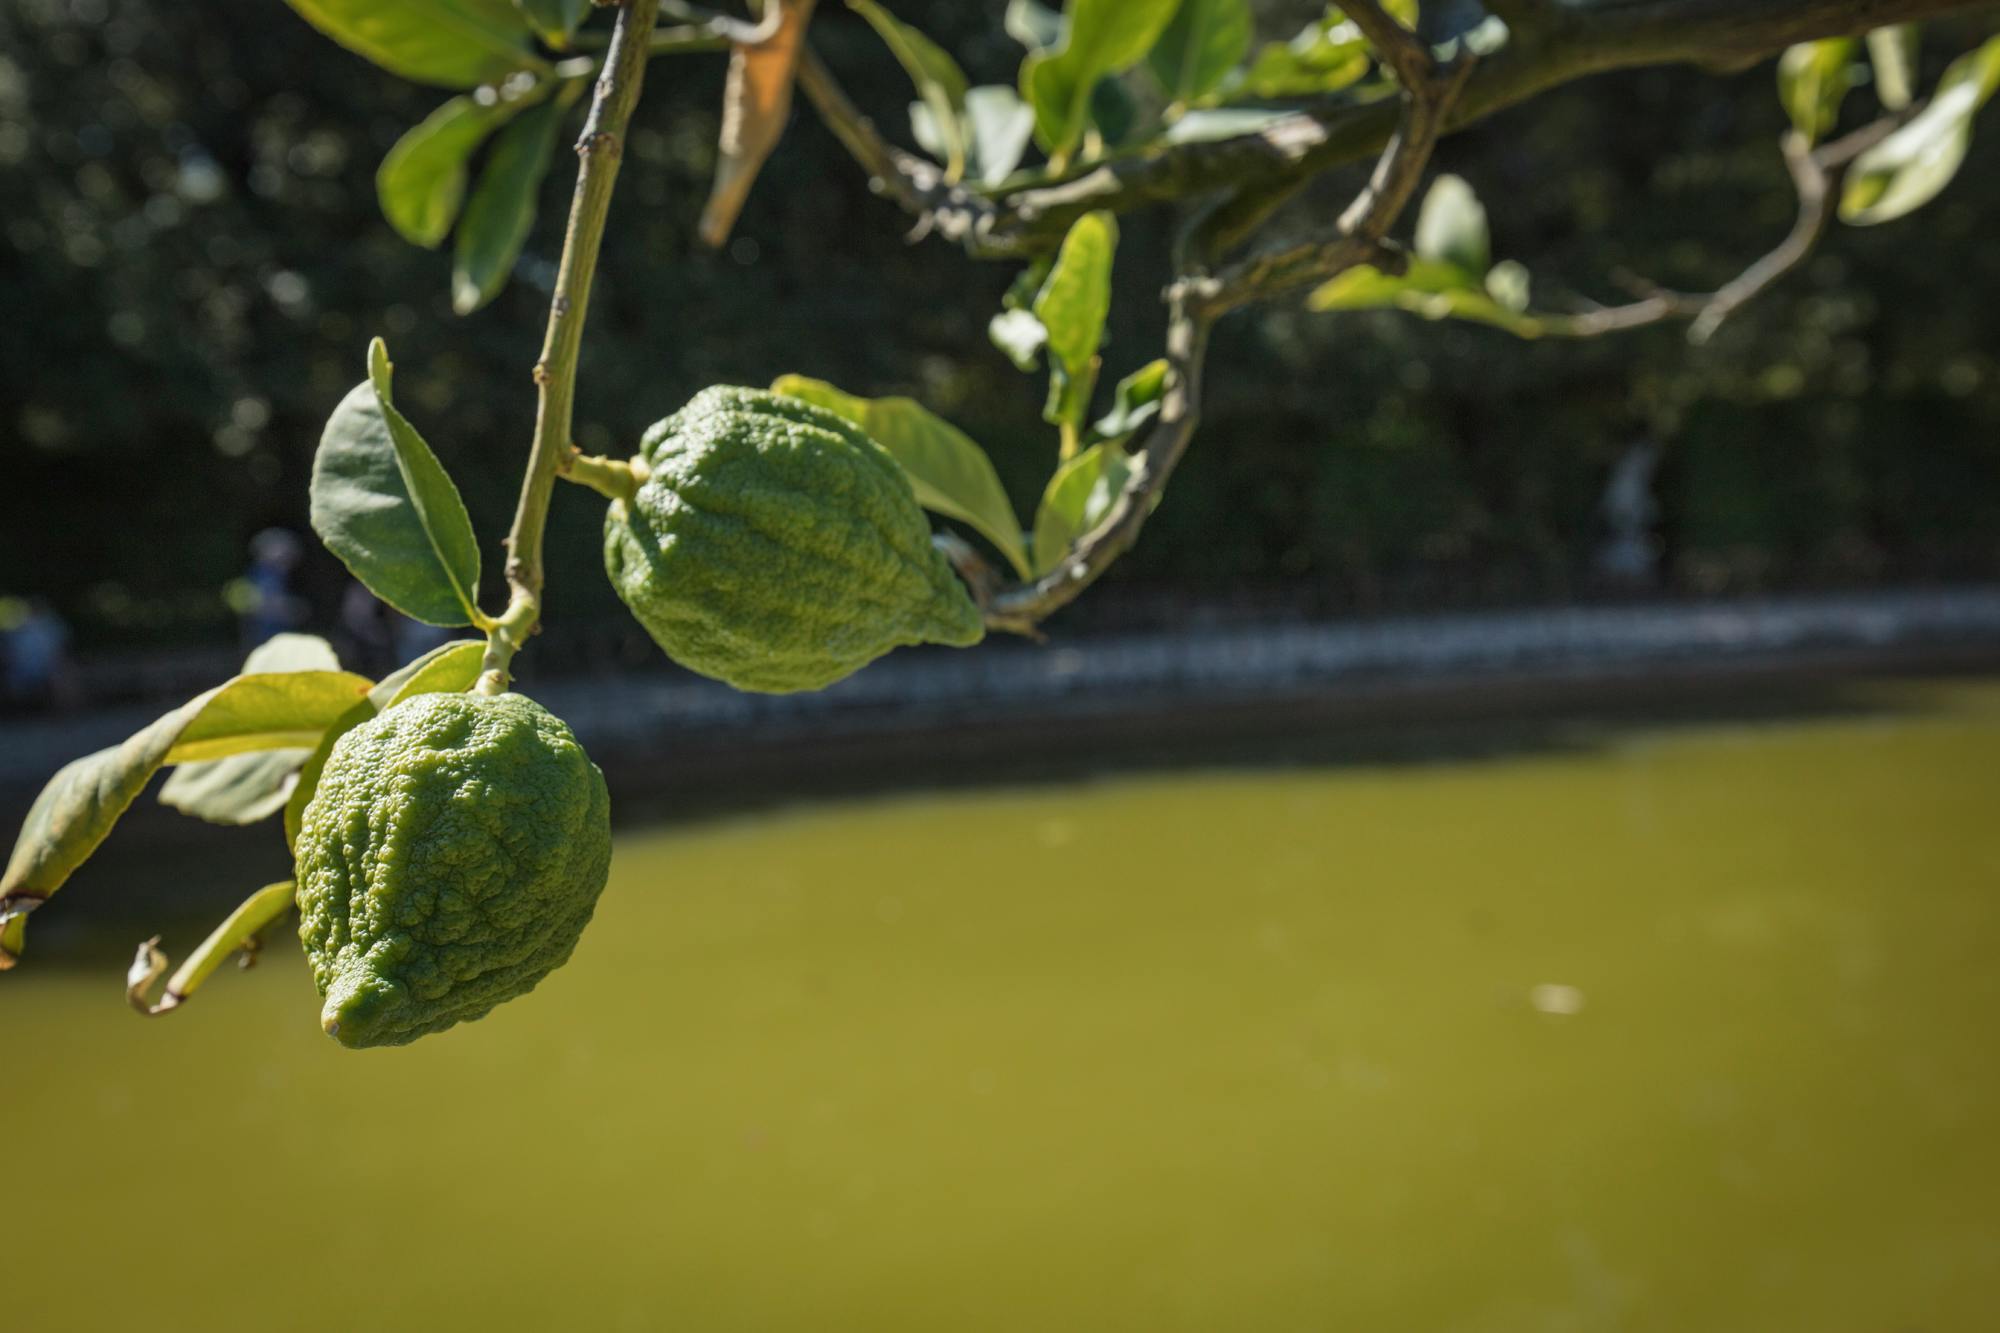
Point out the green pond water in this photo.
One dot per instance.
(1693, 1029)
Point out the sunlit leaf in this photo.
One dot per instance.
(1072, 306)
(245, 788)
(1100, 38)
(81, 803)
(1018, 335)
(939, 82)
(1813, 79)
(1203, 41)
(756, 103)
(1135, 402)
(950, 474)
(1451, 227)
(502, 210)
(1078, 495)
(450, 668)
(1908, 169)
(1220, 123)
(450, 43)
(382, 502)
(1893, 53)
(421, 183)
(998, 127)
(1033, 24)
(1326, 56)
(1429, 289)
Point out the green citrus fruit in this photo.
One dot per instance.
(776, 547)
(449, 858)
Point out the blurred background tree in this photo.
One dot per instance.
(192, 257)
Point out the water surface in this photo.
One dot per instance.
(1694, 1029)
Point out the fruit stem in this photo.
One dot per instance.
(598, 150)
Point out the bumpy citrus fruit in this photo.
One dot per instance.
(776, 547)
(449, 858)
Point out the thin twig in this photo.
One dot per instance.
(599, 150)
(1817, 174)
(1398, 47)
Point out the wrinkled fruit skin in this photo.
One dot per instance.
(448, 860)
(777, 548)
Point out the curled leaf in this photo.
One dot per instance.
(756, 102)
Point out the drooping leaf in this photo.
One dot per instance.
(1908, 169)
(1429, 289)
(239, 931)
(554, 20)
(1077, 496)
(245, 788)
(1200, 45)
(502, 211)
(1100, 38)
(756, 103)
(449, 43)
(1451, 227)
(1072, 305)
(998, 126)
(1813, 79)
(1893, 53)
(421, 183)
(939, 82)
(1114, 113)
(382, 502)
(950, 474)
(81, 803)
(1326, 56)
(1135, 402)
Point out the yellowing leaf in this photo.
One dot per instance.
(756, 101)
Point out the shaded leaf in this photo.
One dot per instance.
(1033, 24)
(1078, 495)
(939, 82)
(950, 474)
(998, 126)
(245, 788)
(1893, 53)
(502, 211)
(554, 20)
(756, 103)
(1203, 41)
(421, 183)
(77, 809)
(1908, 169)
(1813, 79)
(382, 502)
(1100, 38)
(1326, 56)
(1451, 227)
(450, 43)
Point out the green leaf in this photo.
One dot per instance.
(81, 803)
(1100, 38)
(450, 668)
(421, 183)
(1220, 123)
(998, 126)
(554, 20)
(382, 502)
(1199, 46)
(1908, 169)
(1326, 56)
(936, 76)
(1507, 282)
(245, 788)
(502, 211)
(1451, 227)
(450, 43)
(1078, 495)
(1430, 289)
(1893, 52)
(1136, 401)
(1072, 306)
(1813, 79)
(949, 473)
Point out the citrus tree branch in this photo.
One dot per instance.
(599, 149)
(1817, 174)
(1551, 42)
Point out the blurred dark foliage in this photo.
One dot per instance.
(192, 262)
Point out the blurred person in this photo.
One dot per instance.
(269, 606)
(368, 631)
(35, 646)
